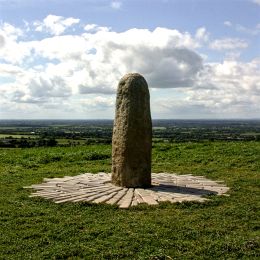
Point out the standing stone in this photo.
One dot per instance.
(132, 133)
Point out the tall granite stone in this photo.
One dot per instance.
(132, 133)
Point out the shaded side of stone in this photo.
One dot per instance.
(132, 133)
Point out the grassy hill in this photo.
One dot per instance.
(223, 228)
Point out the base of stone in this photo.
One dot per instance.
(97, 188)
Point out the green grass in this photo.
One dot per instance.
(68, 141)
(223, 228)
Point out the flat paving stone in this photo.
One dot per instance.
(97, 188)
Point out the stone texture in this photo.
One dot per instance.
(96, 188)
(132, 134)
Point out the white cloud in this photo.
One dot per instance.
(12, 50)
(2, 41)
(90, 27)
(98, 102)
(116, 5)
(9, 70)
(64, 66)
(10, 31)
(228, 44)
(232, 55)
(243, 29)
(250, 31)
(256, 2)
(236, 84)
(8, 41)
(80, 72)
(55, 25)
(63, 47)
(95, 28)
(228, 23)
(223, 90)
(202, 34)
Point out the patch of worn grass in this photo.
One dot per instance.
(223, 228)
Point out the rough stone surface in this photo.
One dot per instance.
(132, 134)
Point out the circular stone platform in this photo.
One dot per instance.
(97, 188)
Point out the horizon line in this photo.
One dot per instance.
(82, 119)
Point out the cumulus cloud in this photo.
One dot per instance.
(10, 31)
(82, 70)
(9, 69)
(92, 62)
(95, 28)
(8, 41)
(90, 27)
(55, 25)
(12, 49)
(223, 89)
(236, 86)
(175, 69)
(43, 87)
(30, 86)
(228, 44)
(202, 34)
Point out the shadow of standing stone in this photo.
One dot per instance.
(132, 134)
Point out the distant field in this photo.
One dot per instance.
(252, 133)
(223, 228)
(18, 136)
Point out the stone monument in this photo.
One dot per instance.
(131, 178)
(132, 134)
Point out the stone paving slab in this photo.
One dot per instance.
(97, 188)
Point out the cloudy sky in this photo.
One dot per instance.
(62, 59)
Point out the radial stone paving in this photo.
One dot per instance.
(97, 188)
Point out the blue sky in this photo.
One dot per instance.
(63, 59)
